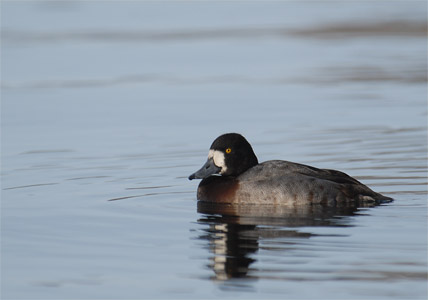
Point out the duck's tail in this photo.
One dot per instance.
(375, 197)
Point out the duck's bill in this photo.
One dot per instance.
(207, 170)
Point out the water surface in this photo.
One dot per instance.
(106, 108)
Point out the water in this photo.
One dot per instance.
(107, 107)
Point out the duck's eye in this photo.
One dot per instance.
(228, 150)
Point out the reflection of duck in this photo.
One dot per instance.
(231, 249)
(244, 180)
(235, 231)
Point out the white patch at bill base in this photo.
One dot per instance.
(218, 158)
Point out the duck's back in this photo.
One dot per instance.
(283, 182)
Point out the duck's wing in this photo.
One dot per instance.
(274, 168)
(318, 185)
(333, 175)
(287, 182)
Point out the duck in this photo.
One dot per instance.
(232, 174)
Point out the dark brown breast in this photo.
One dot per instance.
(218, 189)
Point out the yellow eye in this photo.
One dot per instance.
(228, 150)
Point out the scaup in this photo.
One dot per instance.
(232, 174)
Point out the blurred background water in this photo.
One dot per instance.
(108, 106)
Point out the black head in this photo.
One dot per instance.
(230, 155)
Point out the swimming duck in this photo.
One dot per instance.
(232, 174)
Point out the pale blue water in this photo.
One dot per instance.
(121, 100)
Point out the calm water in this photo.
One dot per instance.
(107, 107)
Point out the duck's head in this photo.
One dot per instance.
(230, 155)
